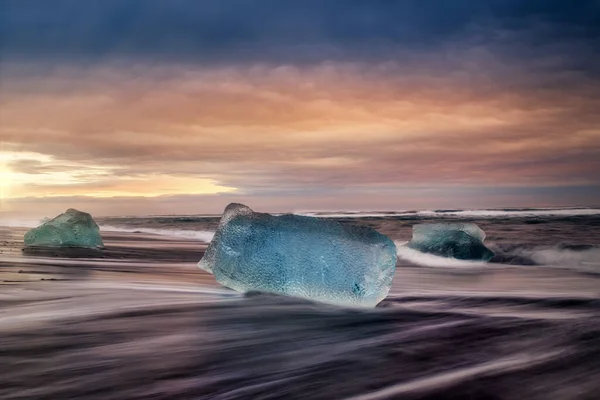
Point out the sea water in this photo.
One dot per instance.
(524, 325)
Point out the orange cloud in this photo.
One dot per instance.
(175, 130)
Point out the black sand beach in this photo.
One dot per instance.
(141, 321)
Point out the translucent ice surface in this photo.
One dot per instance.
(462, 241)
(312, 258)
(71, 229)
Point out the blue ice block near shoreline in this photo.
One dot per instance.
(307, 257)
(461, 241)
(71, 229)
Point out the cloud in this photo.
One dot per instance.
(309, 31)
(325, 126)
(300, 101)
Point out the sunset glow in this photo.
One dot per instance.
(480, 116)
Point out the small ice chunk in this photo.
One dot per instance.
(462, 241)
(71, 229)
(312, 258)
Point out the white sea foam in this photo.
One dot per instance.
(586, 260)
(429, 260)
(204, 236)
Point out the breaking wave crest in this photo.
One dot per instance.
(581, 258)
(429, 260)
(584, 258)
(485, 213)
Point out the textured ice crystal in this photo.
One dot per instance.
(462, 241)
(71, 229)
(307, 257)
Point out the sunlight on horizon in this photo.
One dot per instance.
(43, 176)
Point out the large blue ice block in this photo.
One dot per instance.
(312, 258)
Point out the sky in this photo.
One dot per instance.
(180, 106)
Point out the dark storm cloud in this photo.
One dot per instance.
(287, 32)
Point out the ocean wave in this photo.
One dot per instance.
(429, 260)
(204, 236)
(355, 214)
(507, 213)
(485, 213)
(581, 258)
(21, 222)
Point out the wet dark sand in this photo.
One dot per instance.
(141, 321)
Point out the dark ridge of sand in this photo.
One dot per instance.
(121, 251)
